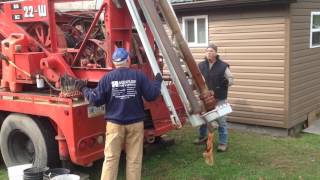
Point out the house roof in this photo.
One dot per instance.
(196, 4)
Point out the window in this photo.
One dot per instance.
(315, 30)
(195, 30)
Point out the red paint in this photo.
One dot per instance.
(77, 134)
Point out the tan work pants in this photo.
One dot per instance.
(116, 136)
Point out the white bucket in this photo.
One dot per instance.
(66, 177)
(16, 172)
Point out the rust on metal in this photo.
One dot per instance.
(188, 57)
(174, 59)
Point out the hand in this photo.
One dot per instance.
(208, 95)
(80, 84)
(225, 83)
(208, 99)
(158, 77)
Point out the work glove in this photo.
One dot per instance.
(80, 84)
(158, 77)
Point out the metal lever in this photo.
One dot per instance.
(153, 62)
(171, 59)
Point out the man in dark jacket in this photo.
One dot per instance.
(122, 91)
(218, 78)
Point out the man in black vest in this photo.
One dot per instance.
(218, 78)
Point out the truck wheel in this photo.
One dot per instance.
(26, 140)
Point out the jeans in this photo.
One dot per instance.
(222, 130)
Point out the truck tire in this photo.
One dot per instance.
(24, 139)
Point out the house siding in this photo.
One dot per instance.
(305, 63)
(253, 41)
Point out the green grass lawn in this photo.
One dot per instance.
(3, 173)
(250, 156)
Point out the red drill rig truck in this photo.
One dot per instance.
(43, 119)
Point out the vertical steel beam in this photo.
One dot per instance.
(172, 60)
(52, 27)
(172, 21)
(153, 62)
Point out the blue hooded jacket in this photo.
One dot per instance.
(122, 91)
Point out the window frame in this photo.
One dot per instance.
(312, 30)
(195, 18)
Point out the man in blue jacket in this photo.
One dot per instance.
(123, 91)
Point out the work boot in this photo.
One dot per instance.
(199, 141)
(222, 148)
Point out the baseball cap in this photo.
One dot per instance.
(119, 55)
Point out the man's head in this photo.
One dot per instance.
(120, 57)
(211, 52)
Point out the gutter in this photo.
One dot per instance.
(224, 3)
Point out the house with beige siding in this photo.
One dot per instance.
(273, 48)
